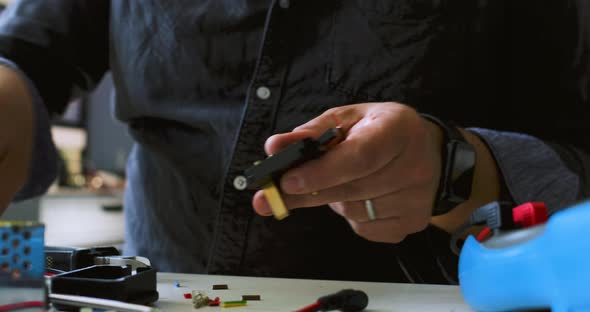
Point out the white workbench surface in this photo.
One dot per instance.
(291, 294)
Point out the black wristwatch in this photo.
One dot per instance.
(458, 165)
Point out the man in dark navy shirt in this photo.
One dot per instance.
(203, 84)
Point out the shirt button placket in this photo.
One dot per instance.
(230, 244)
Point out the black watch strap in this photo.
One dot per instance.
(458, 165)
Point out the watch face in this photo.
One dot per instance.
(464, 159)
(463, 165)
(455, 188)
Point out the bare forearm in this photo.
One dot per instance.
(16, 134)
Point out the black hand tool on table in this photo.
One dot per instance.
(64, 259)
(98, 273)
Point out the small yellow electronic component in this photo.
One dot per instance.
(273, 196)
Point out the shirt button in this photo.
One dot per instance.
(240, 183)
(284, 4)
(263, 93)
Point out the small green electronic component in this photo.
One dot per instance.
(231, 304)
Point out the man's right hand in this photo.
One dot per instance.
(16, 134)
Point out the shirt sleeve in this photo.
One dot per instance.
(43, 167)
(61, 46)
(58, 47)
(532, 169)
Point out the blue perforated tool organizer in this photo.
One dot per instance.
(21, 262)
(542, 267)
(21, 255)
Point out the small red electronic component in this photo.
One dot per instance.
(215, 302)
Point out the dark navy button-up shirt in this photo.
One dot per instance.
(202, 84)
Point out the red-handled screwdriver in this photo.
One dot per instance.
(347, 300)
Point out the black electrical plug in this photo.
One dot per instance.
(272, 168)
(347, 300)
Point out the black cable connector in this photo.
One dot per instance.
(347, 300)
(496, 215)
